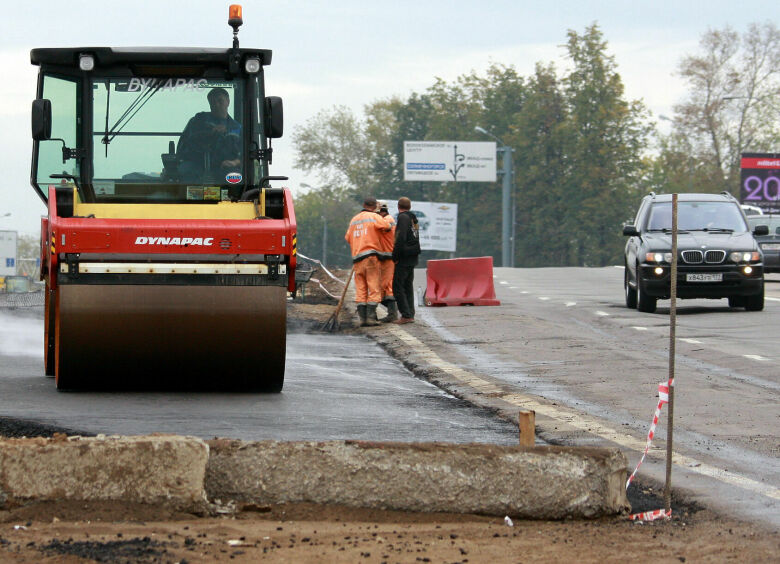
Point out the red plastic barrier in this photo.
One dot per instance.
(462, 281)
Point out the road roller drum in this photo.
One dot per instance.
(201, 337)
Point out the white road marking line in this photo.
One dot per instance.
(513, 287)
(503, 282)
(692, 341)
(580, 420)
(640, 328)
(524, 292)
(619, 266)
(755, 357)
(569, 304)
(772, 299)
(602, 313)
(544, 298)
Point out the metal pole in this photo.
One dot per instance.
(324, 240)
(672, 331)
(506, 221)
(514, 221)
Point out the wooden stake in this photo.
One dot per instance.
(527, 423)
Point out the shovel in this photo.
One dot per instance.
(332, 324)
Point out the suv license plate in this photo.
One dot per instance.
(718, 277)
(771, 246)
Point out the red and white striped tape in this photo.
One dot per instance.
(651, 515)
(663, 397)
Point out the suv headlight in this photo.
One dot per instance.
(658, 257)
(744, 256)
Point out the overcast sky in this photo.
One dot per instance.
(351, 52)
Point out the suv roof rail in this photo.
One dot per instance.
(728, 194)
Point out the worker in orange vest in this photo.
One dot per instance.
(387, 266)
(364, 238)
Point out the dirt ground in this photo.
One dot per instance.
(105, 532)
(73, 532)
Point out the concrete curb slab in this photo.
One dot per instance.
(147, 469)
(530, 483)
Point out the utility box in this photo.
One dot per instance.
(8, 260)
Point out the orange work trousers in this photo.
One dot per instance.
(368, 288)
(386, 270)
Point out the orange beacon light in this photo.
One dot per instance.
(234, 18)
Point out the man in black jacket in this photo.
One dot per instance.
(405, 253)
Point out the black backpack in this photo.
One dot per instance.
(412, 246)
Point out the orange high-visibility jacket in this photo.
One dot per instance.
(387, 239)
(365, 234)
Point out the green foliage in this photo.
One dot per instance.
(539, 138)
(323, 215)
(334, 144)
(605, 136)
(578, 156)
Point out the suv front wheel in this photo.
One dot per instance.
(644, 303)
(755, 302)
(630, 292)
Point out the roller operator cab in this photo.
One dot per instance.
(166, 253)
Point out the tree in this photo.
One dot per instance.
(389, 123)
(334, 144)
(578, 154)
(538, 137)
(732, 105)
(326, 209)
(605, 137)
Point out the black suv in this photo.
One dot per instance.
(717, 254)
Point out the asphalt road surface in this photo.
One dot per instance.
(565, 335)
(562, 335)
(336, 387)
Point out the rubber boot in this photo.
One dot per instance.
(392, 311)
(371, 320)
(362, 311)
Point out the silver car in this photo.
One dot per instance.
(770, 244)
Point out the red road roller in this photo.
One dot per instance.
(167, 254)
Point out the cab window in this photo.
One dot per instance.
(62, 93)
(158, 139)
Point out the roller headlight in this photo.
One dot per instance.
(251, 66)
(86, 62)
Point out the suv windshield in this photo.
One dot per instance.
(167, 139)
(697, 216)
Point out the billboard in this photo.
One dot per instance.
(450, 161)
(760, 181)
(7, 253)
(438, 224)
